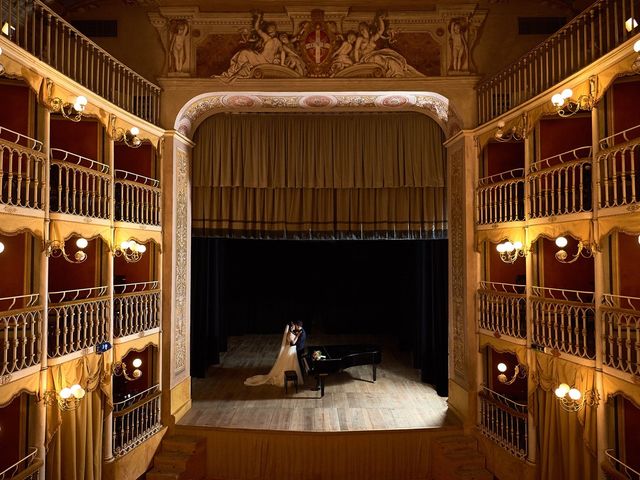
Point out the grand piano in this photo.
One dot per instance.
(335, 358)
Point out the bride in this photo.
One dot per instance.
(287, 360)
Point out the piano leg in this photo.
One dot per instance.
(374, 371)
(322, 385)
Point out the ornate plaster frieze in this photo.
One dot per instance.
(306, 42)
(182, 234)
(203, 106)
(457, 248)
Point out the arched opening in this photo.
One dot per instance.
(333, 190)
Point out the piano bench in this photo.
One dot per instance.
(290, 376)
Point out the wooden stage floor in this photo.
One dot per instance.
(352, 402)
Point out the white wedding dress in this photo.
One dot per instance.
(287, 360)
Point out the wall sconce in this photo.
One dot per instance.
(520, 371)
(129, 137)
(509, 252)
(573, 399)
(120, 369)
(67, 399)
(566, 106)
(584, 250)
(517, 133)
(130, 250)
(630, 24)
(70, 111)
(55, 249)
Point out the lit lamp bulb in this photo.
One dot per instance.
(82, 243)
(137, 373)
(574, 394)
(508, 247)
(561, 242)
(142, 248)
(557, 100)
(500, 247)
(2, 246)
(636, 47)
(137, 363)
(517, 245)
(65, 393)
(77, 391)
(566, 93)
(124, 245)
(502, 367)
(81, 102)
(562, 390)
(134, 131)
(630, 24)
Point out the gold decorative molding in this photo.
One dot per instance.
(430, 103)
(182, 232)
(457, 249)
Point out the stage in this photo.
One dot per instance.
(352, 402)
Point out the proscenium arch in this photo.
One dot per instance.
(434, 105)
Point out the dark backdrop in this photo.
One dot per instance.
(394, 288)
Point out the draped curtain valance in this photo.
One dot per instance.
(319, 175)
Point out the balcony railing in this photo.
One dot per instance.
(25, 469)
(136, 308)
(501, 197)
(79, 185)
(621, 333)
(22, 164)
(135, 419)
(561, 184)
(564, 320)
(78, 319)
(504, 421)
(590, 35)
(44, 34)
(503, 308)
(614, 469)
(137, 198)
(620, 168)
(20, 333)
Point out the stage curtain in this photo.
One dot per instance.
(319, 176)
(433, 325)
(208, 331)
(566, 440)
(74, 437)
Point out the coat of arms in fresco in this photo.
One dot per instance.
(318, 49)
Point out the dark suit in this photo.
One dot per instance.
(302, 338)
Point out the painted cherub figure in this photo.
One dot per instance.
(343, 56)
(178, 47)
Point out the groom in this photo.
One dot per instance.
(301, 339)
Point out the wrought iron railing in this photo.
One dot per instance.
(22, 165)
(504, 421)
(137, 198)
(564, 320)
(135, 419)
(620, 168)
(501, 197)
(614, 469)
(561, 184)
(20, 333)
(44, 34)
(79, 185)
(26, 468)
(78, 319)
(503, 308)
(590, 35)
(621, 333)
(136, 308)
